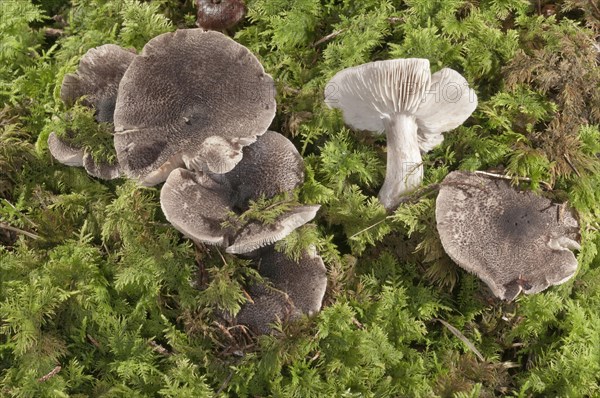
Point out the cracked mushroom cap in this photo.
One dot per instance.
(297, 287)
(368, 94)
(219, 14)
(513, 240)
(97, 79)
(197, 203)
(191, 97)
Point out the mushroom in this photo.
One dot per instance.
(71, 155)
(191, 98)
(199, 203)
(412, 106)
(219, 14)
(95, 83)
(97, 80)
(513, 240)
(295, 288)
(255, 235)
(64, 152)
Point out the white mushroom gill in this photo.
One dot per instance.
(413, 107)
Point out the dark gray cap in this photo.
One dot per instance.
(513, 240)
(191, 97)
(295, 288)
(97, 79)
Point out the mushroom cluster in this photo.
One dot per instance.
(413, 107)
(192, 110)
(515, 241)
(198, 203)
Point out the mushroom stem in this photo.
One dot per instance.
(404, 171)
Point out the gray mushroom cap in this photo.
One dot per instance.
(513, 240)
(64, 152)
(296, 288)
(255, 235)
(71, 155)
(269, 167)
(413, 107)
(97, 79)
(198, 203)
(185, 94)
(102, 170)
(96, 82)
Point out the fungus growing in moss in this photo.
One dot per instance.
(95, 83)
(198, 203)
(513, 240)
(413, 107)
(294, 288)
(191, 98)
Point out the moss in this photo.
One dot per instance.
(110, 300)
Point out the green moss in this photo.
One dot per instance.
(125, 305)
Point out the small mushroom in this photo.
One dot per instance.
(95, 83)
(97, 80)
(412, 106)
(191, 98)
(296, 288)
(513, 240)
(198, 203)
(219, 14)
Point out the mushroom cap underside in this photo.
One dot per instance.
(370, 93)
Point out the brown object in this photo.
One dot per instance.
(414, 107)
(219, 14)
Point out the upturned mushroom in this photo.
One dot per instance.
(191, 99)
(513, 240)
(95, 84)
(413, 107)
(294, 288)
(198, 203)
